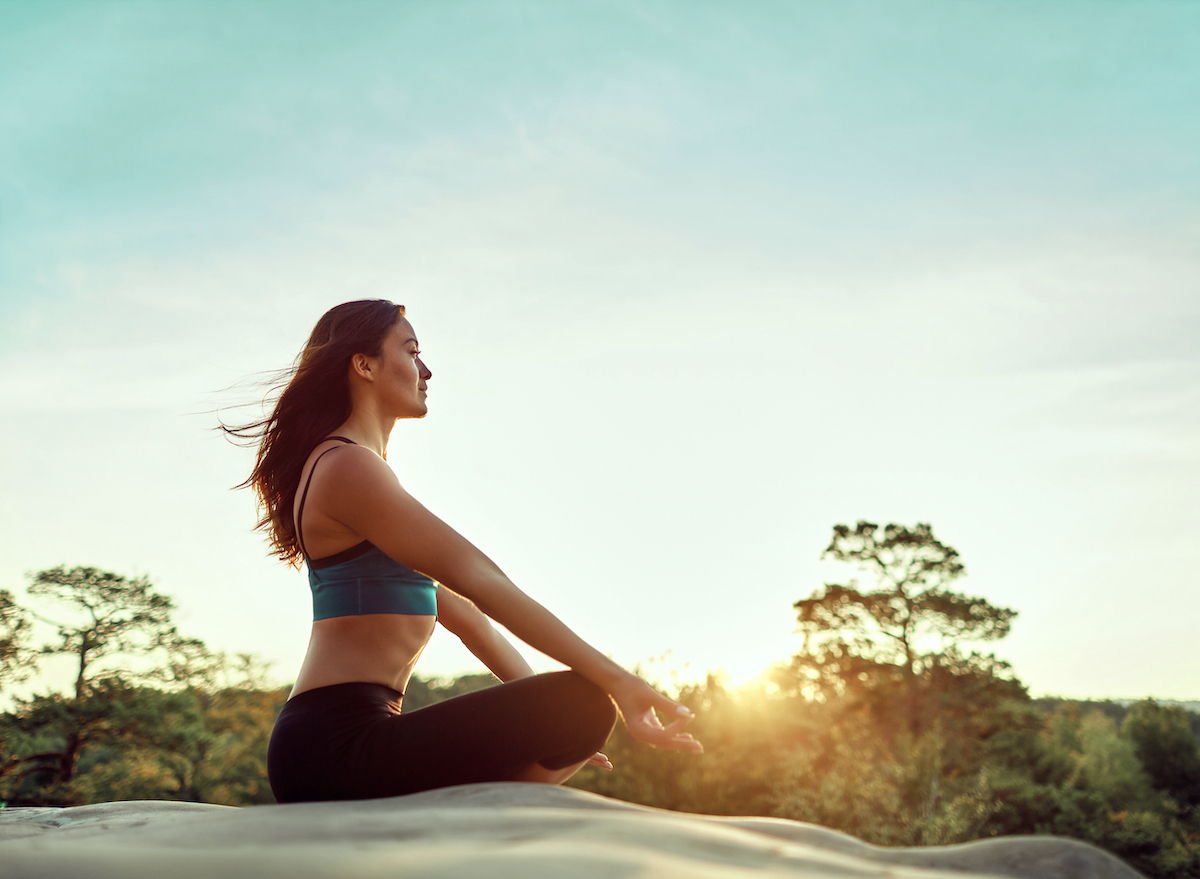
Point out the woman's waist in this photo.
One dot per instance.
(377, 630)
(388, 685)
(371, 648)
(326, 696)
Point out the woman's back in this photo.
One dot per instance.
(347, 642)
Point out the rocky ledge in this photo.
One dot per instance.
(493, 831)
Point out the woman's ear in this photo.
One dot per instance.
(361, 365)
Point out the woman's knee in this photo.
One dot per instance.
(588, 702)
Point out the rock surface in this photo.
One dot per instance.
(488, 831)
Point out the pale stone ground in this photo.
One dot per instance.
(488, 831)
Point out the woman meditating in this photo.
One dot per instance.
(383, 571)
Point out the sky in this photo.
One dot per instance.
(696, 280)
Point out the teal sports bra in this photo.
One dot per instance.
(363, 578)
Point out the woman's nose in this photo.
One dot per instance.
(425, 373)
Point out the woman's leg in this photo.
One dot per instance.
(541, 728)
(538, 773)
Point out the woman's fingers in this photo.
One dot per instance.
(639, 702)
(669, 707)
(680, 724)
(661, 738)
(648, 729)
(600, 760)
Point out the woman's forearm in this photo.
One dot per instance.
(542, 630)
(495, 596)
(497, 653)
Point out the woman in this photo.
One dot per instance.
(383, 571)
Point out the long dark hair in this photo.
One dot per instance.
(314, 398)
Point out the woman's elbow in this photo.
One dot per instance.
(469, 624)
(480, 636)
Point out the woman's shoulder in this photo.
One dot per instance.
(348, 463)
(355, 486)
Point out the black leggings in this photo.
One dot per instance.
(349, 741)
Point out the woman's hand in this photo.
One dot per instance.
(637, 701)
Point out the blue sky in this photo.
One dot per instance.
(696, 281)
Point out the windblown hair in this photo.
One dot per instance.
(314, 400)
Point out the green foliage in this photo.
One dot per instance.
(1115, 711)
(231, 766)
(905, 792)
(1106, 797)
(146, 743)
(1108, 765)
(142, 742)
(1164, 743)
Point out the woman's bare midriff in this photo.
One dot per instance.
(378, 648)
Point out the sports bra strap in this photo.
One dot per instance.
(304, 494)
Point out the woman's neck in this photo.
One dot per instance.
(367, 430)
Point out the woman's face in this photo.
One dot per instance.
(402, 375)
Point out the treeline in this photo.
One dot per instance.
(1012, 769)
(883, 726)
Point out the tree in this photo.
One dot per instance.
(16, 659)
(903, 635)
(114, 615)
(119, 616)
(16, 662)
(202, 736)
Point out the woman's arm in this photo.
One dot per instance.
(370, 501)
(471, 625)
(478, 635)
